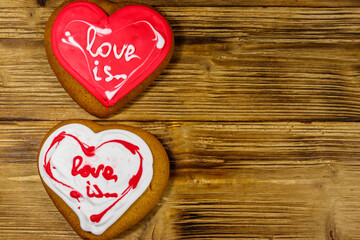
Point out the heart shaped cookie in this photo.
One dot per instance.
(105, 54)
(103, 179)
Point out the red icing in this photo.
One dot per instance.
(76, 194)
(97, 217)
(88, 150)
(108, 174)
(131, 147)
(110, 56)
(133, 182)
(47, 165)
(86, 170)
(99, 193)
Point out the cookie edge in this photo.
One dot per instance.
(142, 206)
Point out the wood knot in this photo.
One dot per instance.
(41, 2)
(332, 235)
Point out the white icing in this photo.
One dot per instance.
(71, 41)
(115, 155)
(118, 56)
(111, 94)
(97, 78)
(90, 42)
(130, 53)
(160, 40)
(110, 76)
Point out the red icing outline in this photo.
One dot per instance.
(130, 24)
(90, 151)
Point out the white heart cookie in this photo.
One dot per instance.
(98, 175)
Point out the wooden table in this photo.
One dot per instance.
(258, 110)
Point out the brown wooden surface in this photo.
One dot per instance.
(258, 110)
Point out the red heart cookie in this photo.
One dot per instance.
(99, 177)
(109, 56)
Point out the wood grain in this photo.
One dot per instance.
(228, 180)
(258, 111)
(230, 64)
(232, 3)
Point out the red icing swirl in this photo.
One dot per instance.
(86, 170)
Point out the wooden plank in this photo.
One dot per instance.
(184, 3)
(228, 180)
(236, 110)
(230, 64)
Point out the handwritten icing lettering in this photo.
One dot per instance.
(86, 170)
(119, 55)
(108, 56)
(130, 49)
(130, 53)
(104, 50)
(98, 193)
(90, 44)
(111, 77)
(95, 70)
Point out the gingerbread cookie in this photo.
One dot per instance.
(103, 179)
(105, 54)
